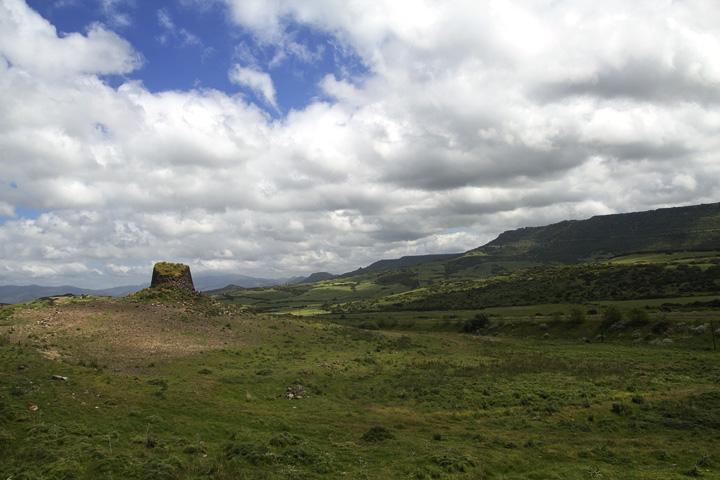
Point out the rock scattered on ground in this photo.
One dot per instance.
(295, 392)
(701, 329)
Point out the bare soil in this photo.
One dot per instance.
(121, 334)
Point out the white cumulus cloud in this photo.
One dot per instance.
(30, 42)
(259, 82)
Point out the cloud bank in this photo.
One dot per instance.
(470, 118)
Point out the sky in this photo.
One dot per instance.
(278, 137)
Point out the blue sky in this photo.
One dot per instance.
(203, 45)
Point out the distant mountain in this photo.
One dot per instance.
(23, 293)
(402, 262)
(213, 282)
(315, 277)
(117, 291)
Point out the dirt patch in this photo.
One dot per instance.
(119, 333)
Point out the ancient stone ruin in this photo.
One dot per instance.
(175, 275)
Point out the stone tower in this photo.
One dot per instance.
(172, 274)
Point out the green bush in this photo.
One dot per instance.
(637, 317)
(377, 434)
(475, 324)
(577, 316)
(454, 462)
(620, 409)
(610, 316)
(254, 454)
(661, 327)
(369, 325)
(284, 439)
(160, 470)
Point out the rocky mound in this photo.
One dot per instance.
(174, 275)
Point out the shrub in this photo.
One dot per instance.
(478, 322)
(694, 472)
(6, 439)
(159, 470)
(638, 317)
(18, 390)
(369, 325)
(377, 434)
(253, 453)
(454, 462)
(195, 448)
(577, 316)
(401, 343)
(661, 327)
(611, 315)
(704, 461)
(620, 409)
(284, 439)
(320, 462)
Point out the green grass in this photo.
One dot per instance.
(421, 403)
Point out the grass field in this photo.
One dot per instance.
(207, 397)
